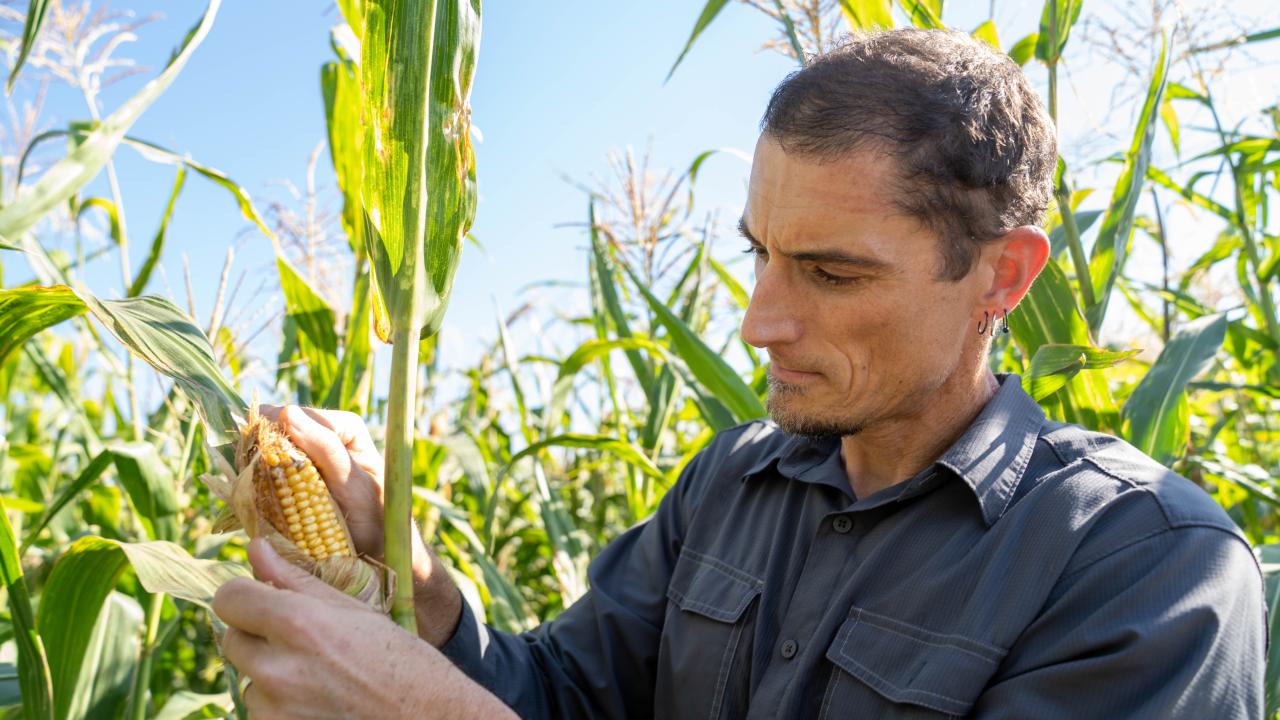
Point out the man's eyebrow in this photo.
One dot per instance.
(823, 256)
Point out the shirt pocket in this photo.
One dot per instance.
(905, 671)
(706, 639)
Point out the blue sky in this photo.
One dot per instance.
(558, 86)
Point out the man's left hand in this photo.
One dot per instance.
(310, 651)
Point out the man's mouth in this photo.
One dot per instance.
(784, 374)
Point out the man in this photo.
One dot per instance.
(908, 537)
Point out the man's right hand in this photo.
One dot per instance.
(339, 444)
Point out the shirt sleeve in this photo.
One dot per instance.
(597, 658)
(1170, 626)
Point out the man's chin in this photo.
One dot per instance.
(814, 425)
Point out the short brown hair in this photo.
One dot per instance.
(975, 148)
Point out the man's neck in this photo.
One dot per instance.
(893, 451)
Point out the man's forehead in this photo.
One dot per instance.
(858, 183)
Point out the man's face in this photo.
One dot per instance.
(845, 302)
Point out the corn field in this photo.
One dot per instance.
(518, 467)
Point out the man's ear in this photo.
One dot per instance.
(1021, 255)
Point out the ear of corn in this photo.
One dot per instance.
(292, 496)
(276, 492)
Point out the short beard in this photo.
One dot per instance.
(805, 426)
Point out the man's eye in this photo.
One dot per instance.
(757, 251)
(827, 278)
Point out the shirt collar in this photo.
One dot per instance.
(990, 457)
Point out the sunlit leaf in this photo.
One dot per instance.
(31, 25)
(150, 486)
(867, 14)
(157, 242)
(924, 13)
(315, 321)
(1110, 250)
(25, 311)
(163, 336)
(1049, 314)
(418, 191)
(33, 666)
(621, 449)
(986, 32)
(1057, 17)
(1024, 49)
(1156, 411)
(187, 705)
(80, 166)
(709, 12)
(1055, 364)
(706, 365)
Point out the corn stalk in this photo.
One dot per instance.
(418, 196)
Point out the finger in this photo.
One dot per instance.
(270, 412)
(243, 650)
(269, 567)
(320, 443)
(255, 702)
(349, 427)
(251, 606)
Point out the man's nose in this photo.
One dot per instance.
(771, 318)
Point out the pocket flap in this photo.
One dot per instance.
(704, 585)
(908, 664)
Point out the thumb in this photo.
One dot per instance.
(269, 567)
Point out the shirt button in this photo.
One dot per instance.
(842, 524)
(790, 648)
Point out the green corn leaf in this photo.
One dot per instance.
(789, 26)
(187, 705)
(353, 13)
(709, 12)
(867, 14)
(572, 365)
(1240, 40)
(166, 338)
(418, 190)
(36, 10)
(621, 449)
(78, 133)
(1110, 250)
(605, 274)
(80, 166)
(157, 243)
(163, 567)
(105, 205)
(350, 389)
(1058, 236)
(986, 32)
(1025, 49)
(1160, 177)
(315, 321)
(1049, 314)
(340, 88)
(1156, 412)
(1056, 20)
(25, 311)
(706, 365)
(68, 492)
(150, 487)
(740, 296)
(70, 605)
(1054, 365)
(157, 154)
(34, 676)
(925, 14)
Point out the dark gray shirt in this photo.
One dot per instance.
(1035, 570)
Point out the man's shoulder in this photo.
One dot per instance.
(1119, 495)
